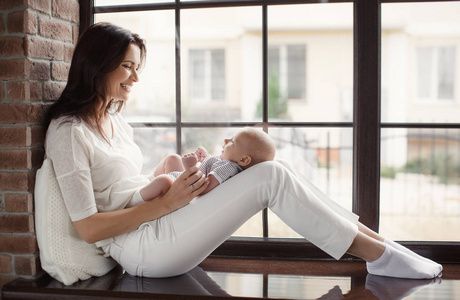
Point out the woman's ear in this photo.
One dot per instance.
(245, 161)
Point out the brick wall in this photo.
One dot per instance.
(37, 39)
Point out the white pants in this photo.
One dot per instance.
(176, 243)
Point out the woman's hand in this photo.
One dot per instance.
(186, 187)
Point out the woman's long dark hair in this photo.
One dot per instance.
(99, 51)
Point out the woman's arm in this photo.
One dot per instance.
(105, 225)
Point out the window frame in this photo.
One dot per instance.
(366, 122)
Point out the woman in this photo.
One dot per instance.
(98, 168)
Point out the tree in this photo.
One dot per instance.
(277, 102)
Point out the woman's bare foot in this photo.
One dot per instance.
(189, 160)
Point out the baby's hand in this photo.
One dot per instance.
(201, 154)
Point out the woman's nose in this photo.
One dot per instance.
(134, 76)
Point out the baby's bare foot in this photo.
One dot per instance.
(189, 160)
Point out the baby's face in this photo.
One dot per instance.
(234, 148)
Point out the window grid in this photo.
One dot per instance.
(370, 209)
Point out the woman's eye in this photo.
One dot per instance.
(127, 67)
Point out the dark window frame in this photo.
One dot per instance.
(366, 122)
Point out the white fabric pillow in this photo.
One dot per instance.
(63, 254)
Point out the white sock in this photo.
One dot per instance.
(394, 263)
(407, 251)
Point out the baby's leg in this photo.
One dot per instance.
(171, 163)
(157, 187)
(189, 160)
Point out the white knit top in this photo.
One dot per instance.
(93, 175)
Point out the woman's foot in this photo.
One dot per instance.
(394, 263)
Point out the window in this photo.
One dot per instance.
(287, 69)
(225, 61)
(435, 74)
(207, 75)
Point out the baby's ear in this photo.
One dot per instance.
(245, 161)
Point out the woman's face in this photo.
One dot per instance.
(121, 80)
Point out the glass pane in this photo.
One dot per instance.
(212, 140)
(153, 97)
(126, 2)
(420, 184)
(155, 144)
(321, 155)
(310, 62)
(221, 64)
(420, 49)
(446, 72)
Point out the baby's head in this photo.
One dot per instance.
(249, 146)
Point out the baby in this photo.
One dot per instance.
(248, 147)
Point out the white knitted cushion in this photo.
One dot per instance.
(63, 254)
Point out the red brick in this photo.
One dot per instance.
(52, 90)
(34, 158)
(12, 68)
(16, 224)
(42, 5)
(2, 26)
(13, 159)
(55, 29)
(5, 264)
(66, 9)
(26, 265)
(68, 53)
(18, 244)
(59, 71)
(10, 46)
(21, 113)
(24, 90)
(35, 136)
(39, 70)
(18, 203)
(37, 47)
(22, 22)
(14, 181)
(13, 136)
(7, 4)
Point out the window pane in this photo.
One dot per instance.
(153, 97)
(446, 73)
(321, 155)
(296, 71)
(420, 184)
(420, 43)
(155, 144)
(310, 62)
(230, 74)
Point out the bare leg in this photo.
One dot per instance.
(366, 247)
(171, 163)
(364, 229)
(157, 187)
